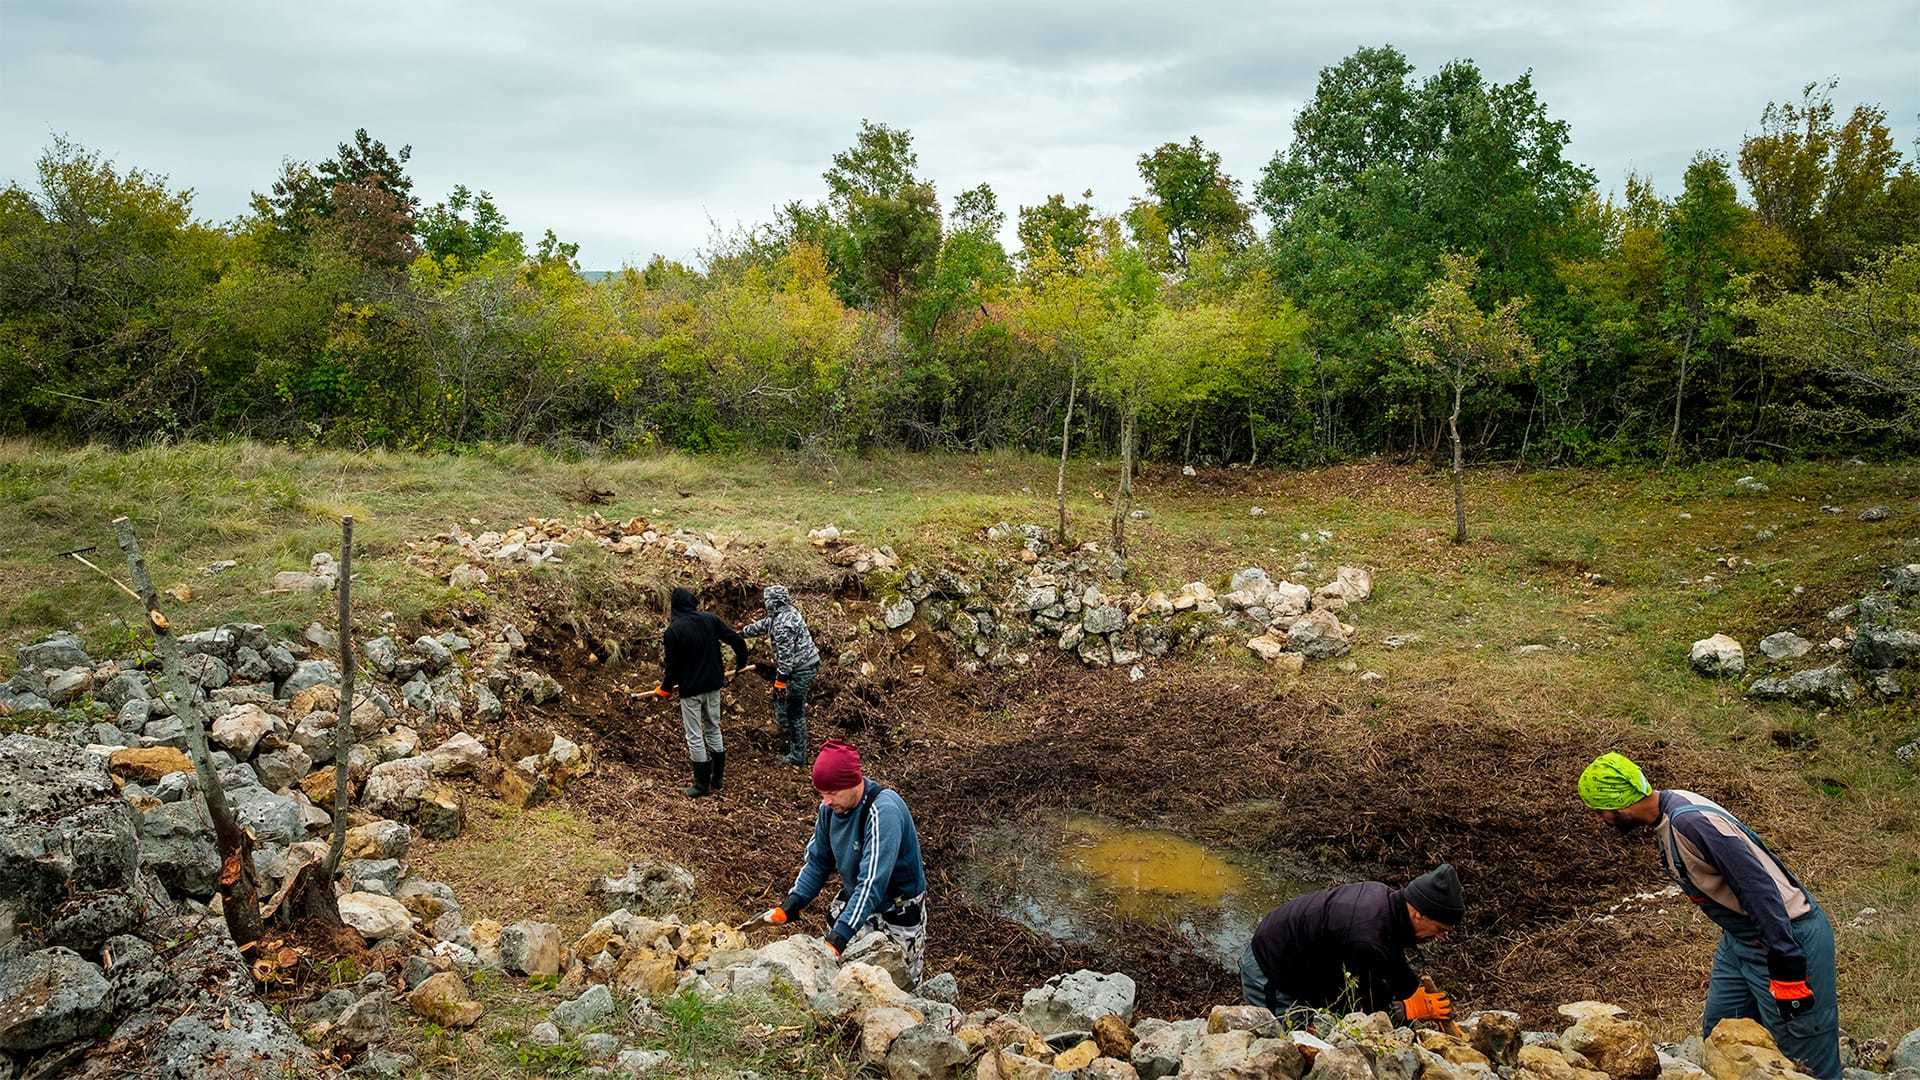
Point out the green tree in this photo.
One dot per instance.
(466, 228)
(1698, 284)
(1467, 345)
(1058, 228)
(361, 199)
(1860, 336)
(1840, 192)
(1190, 201)
(888, 220)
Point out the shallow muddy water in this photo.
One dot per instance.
(1086, 879)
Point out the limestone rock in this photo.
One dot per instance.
(590, 1009)
(531, 948)
(148, 764)
(1620, 1048)
(1829, 685)
(1717, 656)
(459, 756)
(64, 832)
(925, 1051)
(1741, 1049)
(1158, 1053)
(1073, 1002)
(376, 917)
(1318, 635)
(48, 998)
(177, 844)
(1497, 1035)
(378, 840)
(1115, 1038)
(240, 729)
(879, 1027)
(1785, 645)
(897, 612)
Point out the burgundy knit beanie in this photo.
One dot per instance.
(837, 768)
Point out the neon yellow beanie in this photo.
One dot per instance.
(1613, 783)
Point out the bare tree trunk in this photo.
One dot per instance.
(1459, 494)
(239, 893)
(1679, 396)
(343, 729)
(1066, 433)
(1123, 499)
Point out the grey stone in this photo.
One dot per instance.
(278, 769)
(365, 1022)
(274, 819)
(544, 1034)
(128, 686)
(1885, 685)
(1318, 635)
(132, 715)
(1906, 1052)
(55, 653)
(1074, 1001)
(926, 1051)
(65, 686)
(280, 660)
(1826, 686)
(213, 1018)
(381, 653)
(651, 887)
(207, 672)
(1878, 646)
(640, 1063)
(1159, 1051)
(1104, 619)
(177, 844)
(64, 829)
(897, 612)
(590, 1009)
(220, 642)
(48, 998)
(250, 666)
(599, 1045)
(383, 872)
(942, 987)
(1875, 513)
(308, 673)
(433, 653)
(1785, 645)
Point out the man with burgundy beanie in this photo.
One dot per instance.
(864, 832)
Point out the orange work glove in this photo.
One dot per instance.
(1794, 997)
(1429, 1005)
(776, 916)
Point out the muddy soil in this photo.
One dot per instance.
(1212, 751)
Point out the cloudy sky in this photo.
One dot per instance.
(634, 128)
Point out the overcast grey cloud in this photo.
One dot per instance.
(632, 128)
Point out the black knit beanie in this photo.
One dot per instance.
(1436, 894)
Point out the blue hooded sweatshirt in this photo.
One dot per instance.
(876, 851)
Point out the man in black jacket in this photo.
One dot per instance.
(691, 663)
(1304, 951)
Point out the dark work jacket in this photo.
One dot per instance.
(691, 648)
(1307, 946)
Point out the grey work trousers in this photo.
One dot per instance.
(700, 722)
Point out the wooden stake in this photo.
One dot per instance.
(343, 729)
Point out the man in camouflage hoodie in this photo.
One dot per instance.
(796, 662)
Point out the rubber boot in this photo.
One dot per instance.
(702, 773)
(718, 775)
(797, 748)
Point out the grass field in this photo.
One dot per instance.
(1616, 572)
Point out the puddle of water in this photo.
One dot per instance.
(1082, 878)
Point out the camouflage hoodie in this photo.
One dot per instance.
(793, 647)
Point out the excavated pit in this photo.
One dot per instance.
(1288, 786)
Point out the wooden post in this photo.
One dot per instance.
(239, 893)
(343, 729)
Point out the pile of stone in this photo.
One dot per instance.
(1045, 598)
(841, 551)
(541, 541)
(1875, 641)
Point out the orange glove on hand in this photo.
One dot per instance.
(776, 916)
(1429, 1005)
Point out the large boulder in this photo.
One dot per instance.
(65, 832)
(1073, 1002)
(531, 948)
(148, 764)
(56, 653)
(48, 998)
(1717, 656)
(240, 729)
(274, 819)
(461, 755)
(376, 917)
(406, 790)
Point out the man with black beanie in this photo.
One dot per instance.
(1303, 952)
(691, 663)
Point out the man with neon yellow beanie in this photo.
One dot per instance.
(1775, 961)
